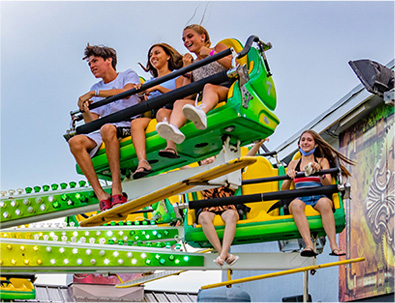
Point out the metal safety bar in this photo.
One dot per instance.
(282, 273)
(286, 177)
(177, 73)
(253, 198)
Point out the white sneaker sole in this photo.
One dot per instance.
(191, 114)
(168, 133)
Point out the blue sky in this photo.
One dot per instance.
(42, 74)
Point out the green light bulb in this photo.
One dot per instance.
(28, 190)
(63, 185)
(54, 186)
(82, 183)
(37, 189)
(72, 184)
(56, 204)
(45, 187)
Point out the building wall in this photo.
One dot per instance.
(370, 226)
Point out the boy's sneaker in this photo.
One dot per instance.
(196, 115)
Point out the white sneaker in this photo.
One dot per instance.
(170, 132)
(196, 115)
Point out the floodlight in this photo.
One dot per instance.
(376, 78)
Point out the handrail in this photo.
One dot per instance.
(247, 46)
(282, 273)
(253, 198)
(153, 103)
(174, 74)
(286, 177)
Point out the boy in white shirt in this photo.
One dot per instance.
(102, 61)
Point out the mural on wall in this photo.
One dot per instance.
(370, 212)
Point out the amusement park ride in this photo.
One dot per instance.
(151, 230)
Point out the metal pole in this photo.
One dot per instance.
(305, 285)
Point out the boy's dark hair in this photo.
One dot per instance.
(101, 51)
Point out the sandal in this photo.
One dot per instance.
(105, 204)
(308, 252)
(337, 252)
(118, 199)
(219, 261)
(231, 259)
(168, 153)
(141, 172)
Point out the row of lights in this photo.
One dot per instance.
(45, 188)
(147, 260)
(29, 206)
(138, 237)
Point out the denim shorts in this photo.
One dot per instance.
(311, 200)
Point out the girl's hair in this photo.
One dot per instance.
(200, 30)
(175, 61)
(324, 150)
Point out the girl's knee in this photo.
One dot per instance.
(205, 218)
(209, 88)
(230, 216)
(297, 206)
(162, 113)
(138, 123)
(324, 204)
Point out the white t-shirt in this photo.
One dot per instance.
(123, 78)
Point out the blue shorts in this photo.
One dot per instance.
(311, 200)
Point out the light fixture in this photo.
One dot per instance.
(376, 78)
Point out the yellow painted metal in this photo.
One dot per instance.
(282, 273)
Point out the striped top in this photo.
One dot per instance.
(304, 182)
